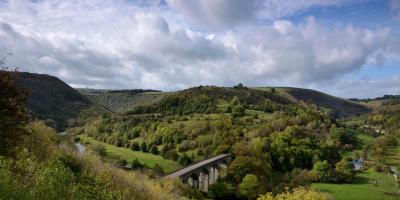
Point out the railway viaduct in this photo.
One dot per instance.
(202, 174)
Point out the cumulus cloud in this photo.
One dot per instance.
(394, 6)
(119, 44)
(366, 87)
(215, 14)
(220, 14)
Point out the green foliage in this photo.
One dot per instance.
(289, 151)
(323, 170)
(222, 190)
(13, 116)
(143, 147)
(50, 99)
(243, 165)
(184, 159)
(154, 150)
(249, 187)
(135, 146)
(296, 194)
(122, 100)
(172, 154)
(322, 167)
(99, 149)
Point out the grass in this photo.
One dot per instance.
(393, 156)
(390, 157)
(365, 138)
(363, 188)
(129, 155)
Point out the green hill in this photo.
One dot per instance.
(253, 97)
(340, 107)
(51, 99)
(122, 100)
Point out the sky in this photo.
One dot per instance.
(347, 48)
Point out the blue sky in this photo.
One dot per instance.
(348, 48)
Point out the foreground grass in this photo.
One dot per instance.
(129, 155)
(363, 188)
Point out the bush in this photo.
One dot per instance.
(158, 169)
(154, 150)
(323, 169)
(99, 149)
(296, 194)
(136, 164)
(172, 154)
(381, 168)
(222, 190)
(143, 147)
(249, 187)
(184, 159)
(135, 146)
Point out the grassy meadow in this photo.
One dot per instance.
(129, 155)
(363, 188)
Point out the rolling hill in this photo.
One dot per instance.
(51, 99)
(340, 107)
(122, 100)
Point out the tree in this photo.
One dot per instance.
(135, 146)
(296, 194)
(172, 154)
(321, 166)
(235, 101)
(323, 169)
(100, 149)
(154, 150)
(158, 169)
(184, 159)
(344, 171)
(13, 114)
(249, 186)
(243, 165)
(236, 107)
(238, 110)
(136, 164)
(143, 147)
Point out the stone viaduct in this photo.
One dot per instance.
(204, 173)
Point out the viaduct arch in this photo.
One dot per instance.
(204, 173)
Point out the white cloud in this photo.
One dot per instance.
(365, 87)
(220, 14)
(394, 6)
(117, 44)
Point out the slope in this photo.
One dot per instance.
(51, 99)
(122, 100)
(340, 107)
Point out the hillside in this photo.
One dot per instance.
(340, 107)
(122, 100)
(125, 100)
(50, 98)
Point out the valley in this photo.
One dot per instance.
(278, 138)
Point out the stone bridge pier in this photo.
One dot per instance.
(203, 174)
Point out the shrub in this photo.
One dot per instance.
(172, 154)
(184, 159)
(249, 186)
(296, 194)
(143, 147)
(100, 149)
(154, 150)
(135, 146)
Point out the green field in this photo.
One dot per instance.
(129, 155)
(391, 157)
(363, 188)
